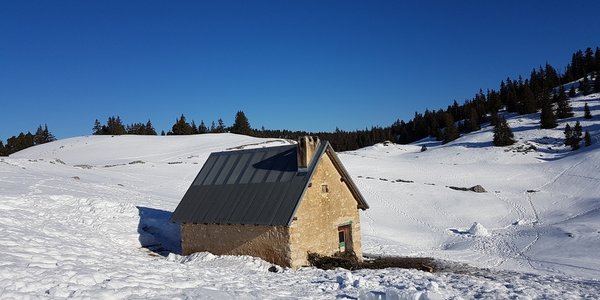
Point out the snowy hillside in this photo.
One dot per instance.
(76, 213)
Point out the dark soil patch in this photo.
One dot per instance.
(349, 261)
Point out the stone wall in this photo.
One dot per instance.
(270, 243)
(315, 226)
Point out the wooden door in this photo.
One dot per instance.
(345, 238)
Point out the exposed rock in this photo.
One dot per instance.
(83, 166)
(405, 181)
(477, 189)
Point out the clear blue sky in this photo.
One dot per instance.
(299, 65)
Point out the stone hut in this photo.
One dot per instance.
(276, 203)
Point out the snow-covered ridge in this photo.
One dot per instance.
(76, 213)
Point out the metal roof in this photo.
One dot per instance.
(257, 186)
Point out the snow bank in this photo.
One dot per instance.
(478, 230)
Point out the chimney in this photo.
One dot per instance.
(307, 145)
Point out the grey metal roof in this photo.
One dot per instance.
(258, 186)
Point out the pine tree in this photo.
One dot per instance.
(150, 128)
(547, 117)
(564, 109)
(181, 127)
(97, 129)
(38, 137)
(18, 143)
(597, 82)
(114, 126)
(162, 133)
(241, 124)
(584, 86)
(202, 128)
(527, 102)
(220, 126)
(587, 139)
(587, 114)
(568, 135)
(573, 135)
(2, 150)
(450, 129)
(194, 127)
(473, 122)
(503, 135)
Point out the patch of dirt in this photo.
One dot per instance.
(350, 261)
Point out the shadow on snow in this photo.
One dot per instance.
(157, 233)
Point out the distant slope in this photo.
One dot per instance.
(541, 206)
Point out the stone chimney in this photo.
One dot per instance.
(307, 145)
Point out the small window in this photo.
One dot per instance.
(324, 188)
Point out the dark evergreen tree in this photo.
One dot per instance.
(508, 96)
(241, 124)
(202, 128)
(585, 87)
(587, 138)
(18, 143)
(587, 114)
(114, 126)
(528, 102)
(568, 135)
(213, 127)
(450, 129)
(577, 134)
(97, 129)
(503, 135)
(494, 101)
(150, 129)
(547, 117)
(573, 135)
(473, 121)
(181, 127)
(597, 82)
(220, 126)
(597, 58)
(162, 133)
(589, 64)
(551, 77)
(564, 109)
(194, 127)
(2, 150)
(43, 135)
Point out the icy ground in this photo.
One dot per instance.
(86, 217)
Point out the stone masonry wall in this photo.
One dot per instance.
(270, 243)
(315, 226)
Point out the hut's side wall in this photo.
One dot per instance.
(270, 243)
(327, 205)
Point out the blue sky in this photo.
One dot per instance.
(299, 65)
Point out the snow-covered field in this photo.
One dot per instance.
(75, 213)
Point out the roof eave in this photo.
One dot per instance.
(362, 203)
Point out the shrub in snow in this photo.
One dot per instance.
(587, 138)
(587, 114)
(573, 135)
